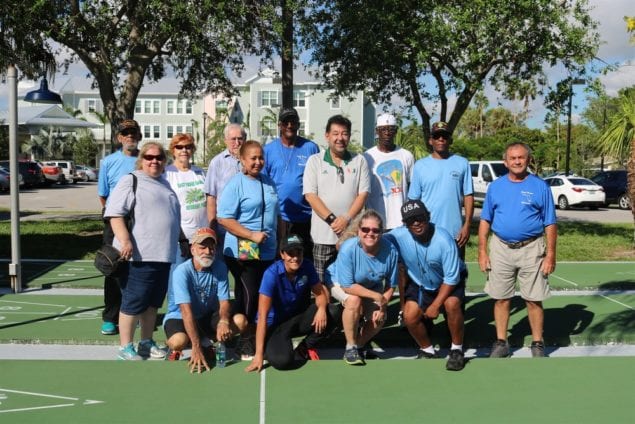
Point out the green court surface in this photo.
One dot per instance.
(554, 390)
(568, 275)
(570, 320)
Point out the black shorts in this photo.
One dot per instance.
(206, 326)
(424, 298)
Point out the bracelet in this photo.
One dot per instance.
(348, 218)
(223, 321)
(329, 219)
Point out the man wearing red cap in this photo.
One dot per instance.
(198, 304)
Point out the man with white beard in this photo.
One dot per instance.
(198, 304)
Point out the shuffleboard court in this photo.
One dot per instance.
(563, 390)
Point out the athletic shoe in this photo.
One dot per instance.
(368, 353)
(422, 354)
(149, 349)
(307, 353)
(537, 349)
(128, 353)
(500, 349)
(173, 355)
(456, 361)
(108, 328)
(246, 348)
(351, 357)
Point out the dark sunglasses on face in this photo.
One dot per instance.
(413, 221)
(367, 230)
(184, 146)
(128, 132)
(292, 122)
(340, 173)
(150, 158)
(440, 136)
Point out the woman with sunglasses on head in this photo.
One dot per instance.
(148, 246)
(367, 272)
(187, 181)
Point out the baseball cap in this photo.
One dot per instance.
(440, 128)
(386, 120)
(203, 234)
(290, 242)
(414, 209)
(128, 124)
(288, 114)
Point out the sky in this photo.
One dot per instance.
(615, 49)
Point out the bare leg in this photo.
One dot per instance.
(536, 316)
(455, 319)
(350, 319)
(127, 324)
(148, 319)
(501, 317)
(412, 319)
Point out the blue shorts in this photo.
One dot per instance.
(143, 285)
(424, 298)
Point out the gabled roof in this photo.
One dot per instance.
(46, 116)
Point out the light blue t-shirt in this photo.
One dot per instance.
(376, 273)
(285, 166)
(518, 211)
(431, 264)
(242, 200)
(203, 289)
(112, 168)
(441, 184)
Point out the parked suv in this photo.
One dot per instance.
(68, 167)
(483, 173)
(614, 184)
(31, 172)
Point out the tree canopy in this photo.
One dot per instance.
(124, 42)
(430, 52)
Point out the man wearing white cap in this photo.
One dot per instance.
(390, 167)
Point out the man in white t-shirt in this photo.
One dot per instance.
(390, 167)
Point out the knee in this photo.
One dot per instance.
(453, 306)
(240, 321)
(411, 315)
(353, 303)
(178, 341)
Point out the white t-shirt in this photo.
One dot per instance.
(390, 176)
(189, 188)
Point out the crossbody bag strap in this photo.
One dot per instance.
(262, 215)
(131, 218)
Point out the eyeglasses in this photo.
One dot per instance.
(237, 139)
(367, 230)
(414, 220)
(387, 129)
(150, 158)
(439, 136)
(340, 173)
(128, 132)
(184, 146)
(291, 122)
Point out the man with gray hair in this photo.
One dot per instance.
(221, 168)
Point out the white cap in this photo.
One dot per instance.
(386, 120)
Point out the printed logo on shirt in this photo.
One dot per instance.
(455, 175)
(527, 197)
(195, 199)
(302, 281)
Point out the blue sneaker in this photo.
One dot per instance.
(108, 328)
(128, 353)
(149, 349)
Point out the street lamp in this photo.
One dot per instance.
(43, 95)
(574, 81)
(205, 116)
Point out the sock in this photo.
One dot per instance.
(429, 349)
(353, 346)
(457, 347)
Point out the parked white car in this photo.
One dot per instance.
(571, 190)
(483, 173)
(90, 174)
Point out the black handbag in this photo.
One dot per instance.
(108, 260)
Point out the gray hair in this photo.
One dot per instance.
(234, 126)
(517, 144)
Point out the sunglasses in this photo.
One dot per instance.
(439, 136)
(184, 146)
(340, 173)
(150, 158)
(387, 129)
(128, 132)
(414, 220)
(367, 230)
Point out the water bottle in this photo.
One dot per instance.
(221, 355)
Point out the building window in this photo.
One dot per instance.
(299, 99)
(170, 131)
(268, 127)
(178, 107)
(152, 132)
(302, 129)
(92, 105)
(269, 98)
(156, 107)
(335, 102)
(170, 107)
(221, 106)
(188, 107)
(137, 106)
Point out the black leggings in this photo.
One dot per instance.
(247, 278)
(279, 346)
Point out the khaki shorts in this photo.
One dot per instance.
(522, 265)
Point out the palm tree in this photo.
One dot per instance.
(618, 140)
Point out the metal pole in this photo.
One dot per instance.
(15, 274)
(566, 163)
(204, 136)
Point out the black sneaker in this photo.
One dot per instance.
(422, 354)
(367, 352)
(500, 349)
(352, 357)
(246, 348)
(537, 349)
(456, 361)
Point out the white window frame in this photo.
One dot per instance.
(299, 99)
(270, 100)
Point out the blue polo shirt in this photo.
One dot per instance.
(376, 273)
(288, 298)
(285, 165)
(429, 264)
(111, 169)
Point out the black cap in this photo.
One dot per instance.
(440, 128)
(128, 124)
(288, 114)
(414, 209)
(290, 242)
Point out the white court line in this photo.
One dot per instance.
(599, 294)
(33, 408)
(32, 303)
(62, 313)
(565, 280)
(263, 378)
(38, 394)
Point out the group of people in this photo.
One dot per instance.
(315, 240)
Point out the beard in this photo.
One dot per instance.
(205, 261)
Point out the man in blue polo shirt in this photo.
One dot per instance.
(519, 210)
(285, 160)
(285, 310)
(434, 281)
(111, 169)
